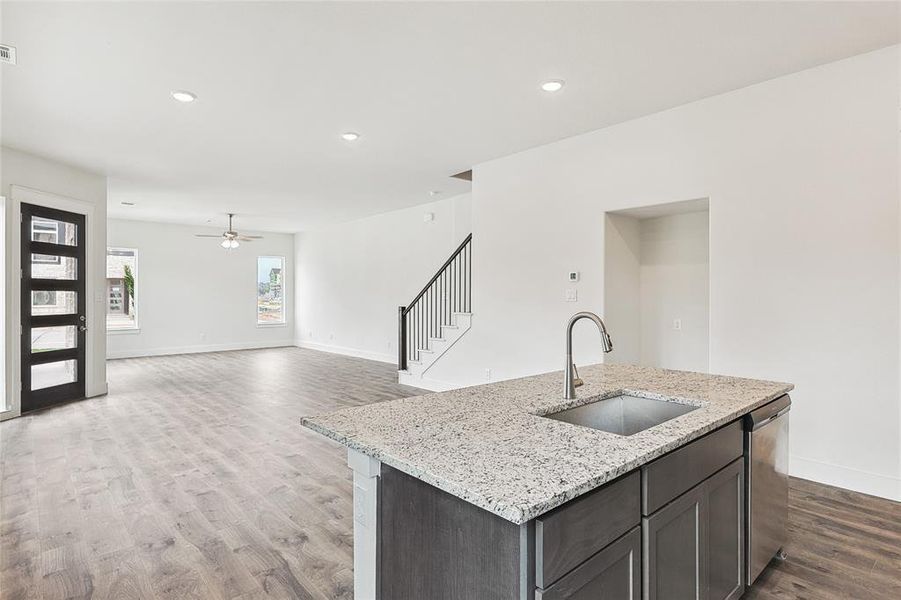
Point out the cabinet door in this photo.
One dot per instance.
(675, 542)
(725, 532)
(611, 574)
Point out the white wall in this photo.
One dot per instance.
(194, 296)
(622, 289)
(18, 171)
(675, 285)
(656, 270)
(352, 277)
(802, 177)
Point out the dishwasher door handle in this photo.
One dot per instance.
(770, 419)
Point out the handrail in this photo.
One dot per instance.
(435, 277)
(448, 292)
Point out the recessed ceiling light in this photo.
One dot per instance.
(123, 203)
(184, 96)
(350, 136)
(553, 85)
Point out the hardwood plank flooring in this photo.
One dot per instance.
(194, 479)
(191, 479)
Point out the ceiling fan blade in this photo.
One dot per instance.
(245, 238)
(205, 235)
(253, 237)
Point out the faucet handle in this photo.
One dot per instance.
(577, 381)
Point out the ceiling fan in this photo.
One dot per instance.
(231, 239)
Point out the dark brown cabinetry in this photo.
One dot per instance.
(693, 546)
(568, 535)
(611, 574)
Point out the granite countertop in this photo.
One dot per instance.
(490, 446)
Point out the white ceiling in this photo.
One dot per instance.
(433, 88)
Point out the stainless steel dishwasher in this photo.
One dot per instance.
(766, 474)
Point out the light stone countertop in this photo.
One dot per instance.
(489, 445)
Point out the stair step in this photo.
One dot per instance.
(441, 339)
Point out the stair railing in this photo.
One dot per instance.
(449, 291)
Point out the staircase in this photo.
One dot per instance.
(436, 318)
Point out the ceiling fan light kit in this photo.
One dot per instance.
(230, 239)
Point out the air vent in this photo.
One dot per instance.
(8, 54)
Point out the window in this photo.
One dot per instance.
(121, 289)
(45, 230)
(270, 290)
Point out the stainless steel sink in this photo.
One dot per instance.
(623, 415)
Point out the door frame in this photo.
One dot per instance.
(18, 195)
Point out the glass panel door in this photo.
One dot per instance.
(53, 307)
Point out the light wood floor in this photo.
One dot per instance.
(194, 479)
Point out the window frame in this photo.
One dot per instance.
(136, 327)
(256, 287)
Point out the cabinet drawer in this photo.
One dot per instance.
(680, 470)
(611, 573)
(568, 535)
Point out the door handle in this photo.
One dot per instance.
(82, 328)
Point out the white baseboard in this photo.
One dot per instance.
(426, 383)
(196, 349)
(874, 484)
(379, 356)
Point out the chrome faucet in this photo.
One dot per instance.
(570, 374)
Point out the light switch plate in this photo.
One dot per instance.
(572, 295)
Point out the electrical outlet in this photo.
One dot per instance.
(487, 374)
(572, 295)
(677, 324)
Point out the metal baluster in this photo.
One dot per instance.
(457, 285)
(469, 277)
(454, 289)
(465, 266)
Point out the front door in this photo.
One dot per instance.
(53, 306)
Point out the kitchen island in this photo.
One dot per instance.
(477, 493)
